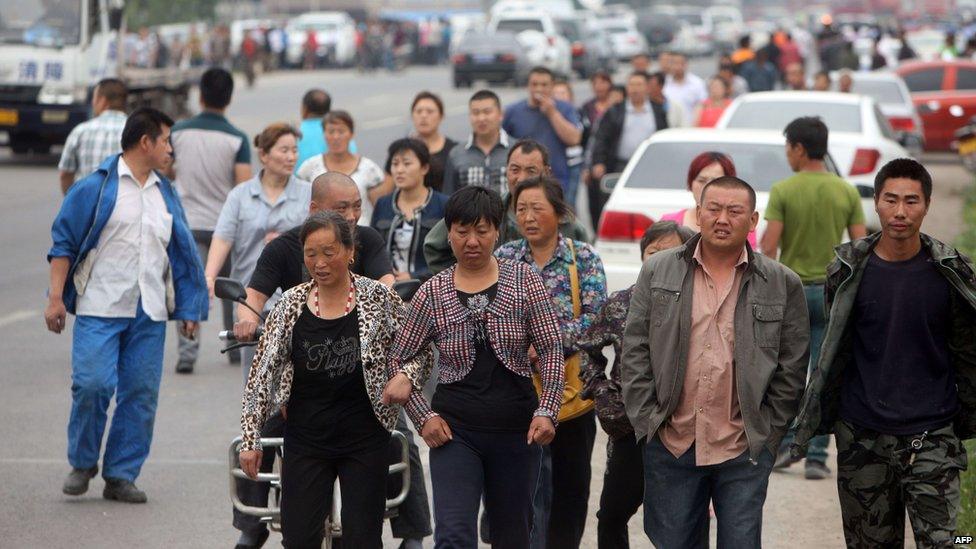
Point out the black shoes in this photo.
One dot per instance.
(123, 490)
(77, 482)
(184, 367)
(250, 540)
(784, 458)
(816, 470)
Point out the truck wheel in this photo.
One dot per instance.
(19, 146)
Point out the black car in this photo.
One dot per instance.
(591, 48)
(657, 27)
(494, 57)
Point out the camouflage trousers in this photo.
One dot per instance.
(878, 480)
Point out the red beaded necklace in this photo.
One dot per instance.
(352, 291)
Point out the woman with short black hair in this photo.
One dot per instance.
(405, 217)
(485, 424)
(322, 362)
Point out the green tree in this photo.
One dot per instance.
(157, 12)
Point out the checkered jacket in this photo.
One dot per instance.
(520, 315)
(91, 142)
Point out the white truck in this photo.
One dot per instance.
(53, 53)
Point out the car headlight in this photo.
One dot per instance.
(53, 93)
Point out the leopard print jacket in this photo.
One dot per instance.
(381, 316)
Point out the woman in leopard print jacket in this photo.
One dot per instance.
(323, 362)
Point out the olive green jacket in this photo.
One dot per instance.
(820, 409)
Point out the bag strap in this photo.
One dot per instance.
(574, 283)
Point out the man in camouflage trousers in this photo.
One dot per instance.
(896, 379)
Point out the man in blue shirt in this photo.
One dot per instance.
(555, 124)
(316, 103)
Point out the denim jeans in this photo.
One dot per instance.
(121, 357)
(677, 492)
(817, 451)
(569, 192)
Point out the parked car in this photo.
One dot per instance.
(536, 31)
(725, 24)
(700, 27)
(590, 46)
(654, 184)
(861, 139)
(895, 102)
(497, 57)
(627, 41)
(944, 93)
(658, 28)
(335, 33)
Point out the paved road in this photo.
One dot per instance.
(185, 476)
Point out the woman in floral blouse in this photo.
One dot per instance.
(573, 275)
(623, 482)
(485, 423)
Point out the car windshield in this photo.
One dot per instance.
(44, 23)
(318, 26)
(665, 165)
(569, 30)
(884, 92)
(694, 19)
(775, 115)
(519, 25)
(618, 30)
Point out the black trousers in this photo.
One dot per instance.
(623, 492)
(571, 450)
(500, 466)
(597, 200)
(306, 498)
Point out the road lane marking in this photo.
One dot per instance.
(17, 316)
(52, 461)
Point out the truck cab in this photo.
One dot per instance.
(53, 53)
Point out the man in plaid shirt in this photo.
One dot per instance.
(93, 141)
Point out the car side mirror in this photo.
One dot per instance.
(230, 289)
(865, 191)
(609, 181)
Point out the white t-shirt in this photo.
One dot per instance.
(366, 175)
(690, 92)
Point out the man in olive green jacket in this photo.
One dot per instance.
(896, 379)
(526, 159)
(713, 365)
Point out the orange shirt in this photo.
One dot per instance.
(742, 55)
(708, 414)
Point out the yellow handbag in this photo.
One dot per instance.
(573, 406)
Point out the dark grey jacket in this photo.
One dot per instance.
(772, 338)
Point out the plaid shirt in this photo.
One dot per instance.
(521, 314)
(92, 142)
(469, 165)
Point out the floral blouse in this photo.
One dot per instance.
(607, 329)
(555, 277)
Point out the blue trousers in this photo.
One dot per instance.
(676, 495)
(817, 451)
(570, 189)
(121, 357)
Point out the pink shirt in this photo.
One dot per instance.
(708, 413)
(679, 218)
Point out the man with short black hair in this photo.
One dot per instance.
(625, 126)
(211, 156)
(713, 364)
(553, 123)
(895, 379)
(655, 93)
(91, 142)
(316, 103)
(806, 217)
(146, 271)
(482, 160)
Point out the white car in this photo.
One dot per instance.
(654, 184)
(726, 25)
(861, 139)
(335, 33)
(895, 102)
(538, 33)
(625, 40)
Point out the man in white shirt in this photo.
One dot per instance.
(684, 87)
(124, 262)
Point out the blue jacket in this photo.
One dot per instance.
(387, 218)
(83, 215)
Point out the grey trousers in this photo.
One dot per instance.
(189, 349)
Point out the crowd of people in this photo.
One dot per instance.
(713, 344)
